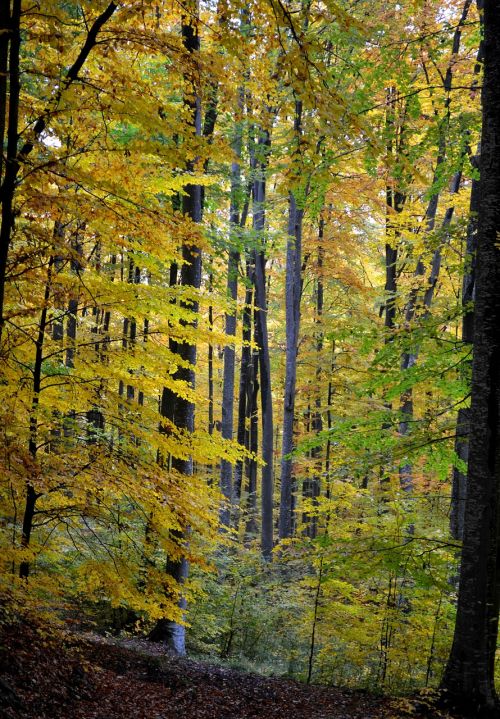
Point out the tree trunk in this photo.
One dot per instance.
(468, 681)
(245, 380)
(459, 480)
(226, 470)
(31, 494)
(252, 436)
(317, 418)
(167, 630)
(210, 371)
(259, 196)
(8, 186)
(292, 306)
(5, 30)
(292, 302)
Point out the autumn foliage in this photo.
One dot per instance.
(362, 119)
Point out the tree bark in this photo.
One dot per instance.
(292, 304)
(245, 380)
(259, 196)
(167, 630)
(317, 418)
(31, 494)
(5, 31)
(252, 438)
(8, 186)
(459, 480)
(468, 681)
(226, 470)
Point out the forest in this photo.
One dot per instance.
(250, 344)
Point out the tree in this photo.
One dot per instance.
(15, 155)
(258, 219)
(170, 631)
(292, 322)
(468, 682)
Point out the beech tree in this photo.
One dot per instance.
(468, 681)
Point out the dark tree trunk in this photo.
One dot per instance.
(168, 397)
(226, 470)
(245, 381)
(468, 681)
(395, 201)
(210, 372)
(71, 324)
(259, 196)
(252, 440)
(317, 418)
(292, 303)
(410, 358)
(5, 30)
(166, 630)
(329, 421)
(266, 409)
(8, 187)
(391, 258)
(31, 494)
(459, 481)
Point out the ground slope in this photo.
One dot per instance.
(67, 676)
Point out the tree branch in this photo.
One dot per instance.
(71, 76)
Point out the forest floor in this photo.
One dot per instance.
(69, 676)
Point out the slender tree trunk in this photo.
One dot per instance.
(312, 645)
(210, 370)
(245, 380)
(259, 196)
(71, 324)
(226, 470)
(459, 481)
(166, 630)
(292, 303)
(8, 187)
(252, 437)
(395, 201)
(468, 681)
(317, 419)
(31, 494)
(5, 32)
(168, 397)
